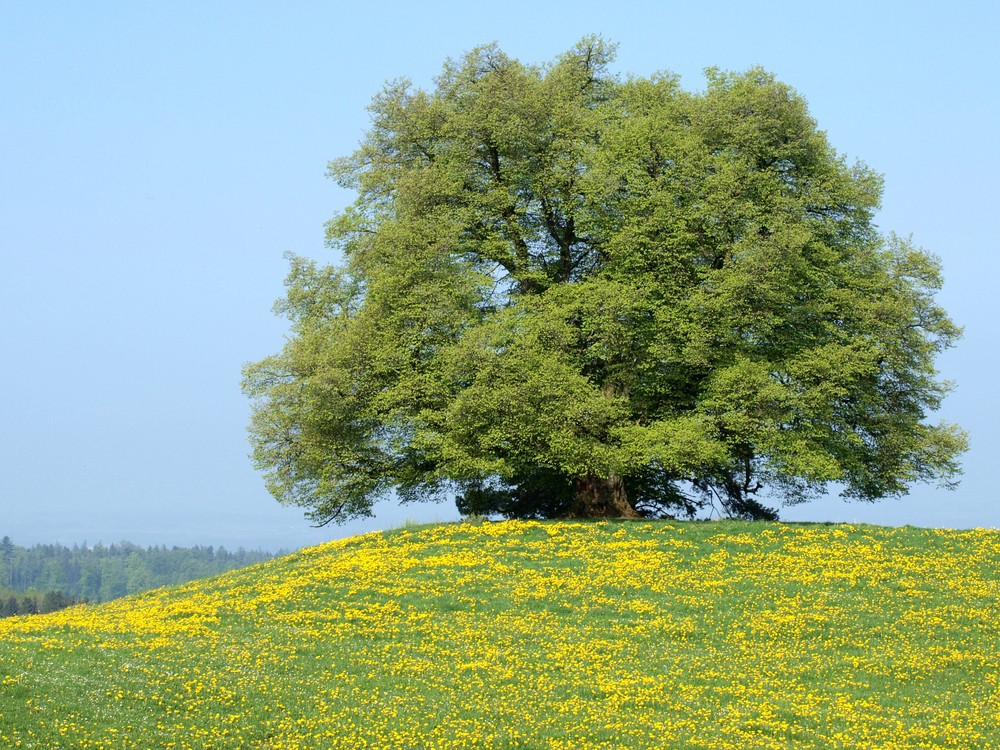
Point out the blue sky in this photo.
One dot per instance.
(157, 160)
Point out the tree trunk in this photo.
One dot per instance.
(600, 497)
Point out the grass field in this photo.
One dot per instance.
(549, 635)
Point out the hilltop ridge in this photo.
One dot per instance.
(532, 634)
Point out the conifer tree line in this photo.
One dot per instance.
(47, 577)
(11, 604)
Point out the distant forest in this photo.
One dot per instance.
(47, 577)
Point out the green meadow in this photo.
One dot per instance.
(536, 635)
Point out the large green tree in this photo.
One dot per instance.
(567, 293)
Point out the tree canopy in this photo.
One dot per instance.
(565, 292)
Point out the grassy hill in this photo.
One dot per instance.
(549, 635)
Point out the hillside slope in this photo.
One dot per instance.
(524, 634)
